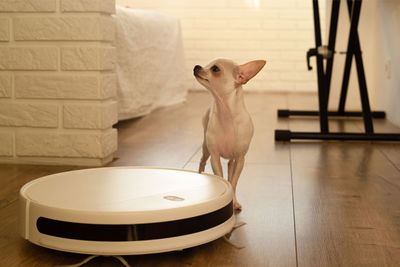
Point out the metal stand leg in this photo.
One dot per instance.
(354, 48)
(331, 45)
(324, 81)
(323, 107)
(347, 68)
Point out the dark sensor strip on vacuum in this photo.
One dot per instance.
(133, 232)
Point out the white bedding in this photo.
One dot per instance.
(150, 62)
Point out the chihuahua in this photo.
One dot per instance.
(228, 128)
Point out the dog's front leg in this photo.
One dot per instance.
(231, 169)
(204, 158)
(216, 165)
(237, 170)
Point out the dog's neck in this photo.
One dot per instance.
(227, 106)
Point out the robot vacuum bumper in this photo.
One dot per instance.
(125, 210)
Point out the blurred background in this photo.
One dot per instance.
(281, 32)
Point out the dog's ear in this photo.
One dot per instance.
(247, 71)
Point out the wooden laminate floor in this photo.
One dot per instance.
(305, 203)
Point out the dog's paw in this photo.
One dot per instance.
(237, 206)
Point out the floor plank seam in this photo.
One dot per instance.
(291, 181)
(191, 157)
(382, 152)
(294, 213)
(388, 159)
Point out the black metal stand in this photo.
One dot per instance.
(324, 83)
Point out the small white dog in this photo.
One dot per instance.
(228, 128)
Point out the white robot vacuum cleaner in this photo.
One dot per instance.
(125, 210)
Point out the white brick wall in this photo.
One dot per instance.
(29, 114)
(5, 85)
(7, 144)
(88, 58)
(88, 6)
(280, 31)
(4, 30)
(27, 6)
(57, 82)
(75, 145)
(90, 116)
(60, 86)
(84, 28)
(28, 58)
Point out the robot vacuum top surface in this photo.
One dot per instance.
(127, 189)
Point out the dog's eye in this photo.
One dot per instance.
(214, 68)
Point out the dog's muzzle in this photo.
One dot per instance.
(196, 69)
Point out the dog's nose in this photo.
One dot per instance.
(196, 68)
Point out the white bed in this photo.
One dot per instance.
(150, 62)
